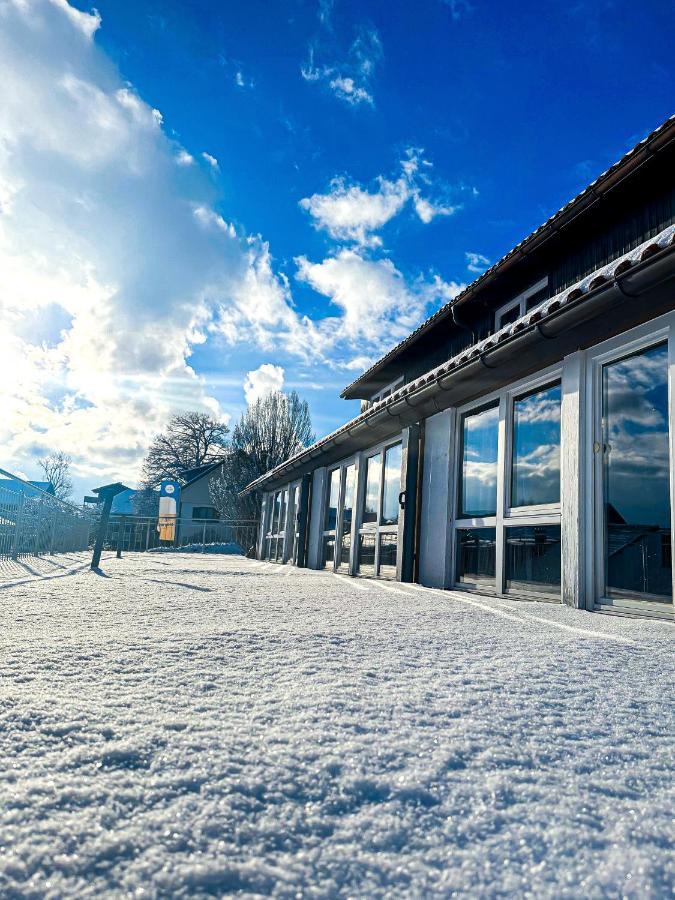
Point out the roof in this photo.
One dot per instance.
(14, 484)
(628, 163)
(107, 490)
(199, 472)
(662, 244)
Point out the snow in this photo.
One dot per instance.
(188, 727)
(228, 547)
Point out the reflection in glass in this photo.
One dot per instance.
(478, 484)
(275, 512)
(636, 476)
(388, 548)
(347, 511)
(282, 514)
(367, 554)
(511, 315)
(476, 556)
(535, 476)
(348, 504)
(328, 552)
(372, 498)
(532, 556)
(392, 485)
(333, 499)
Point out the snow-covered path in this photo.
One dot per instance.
(190, 725)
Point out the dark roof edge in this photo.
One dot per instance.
(207, 471)
(630, 162)
(640, 259)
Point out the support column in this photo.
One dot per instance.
(405, 558)
(436, 513)
(572, 480)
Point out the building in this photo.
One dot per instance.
(520, 441)
(197, 511)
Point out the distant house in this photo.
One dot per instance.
(27, 488)
(519, 442)
(196, 506)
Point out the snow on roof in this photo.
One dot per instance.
(601, 277)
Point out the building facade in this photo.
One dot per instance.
(520, 441)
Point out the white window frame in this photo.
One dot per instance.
(642, 337)
(520, 301)
(337, 532)
(547, 514)
(387, 390)
(374, 529)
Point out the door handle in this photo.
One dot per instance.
(402, 499)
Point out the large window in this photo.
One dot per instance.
(535, 473)
(275, 537)
(478, 485)
(636, 476)
(339, 509)
(507, 527)
(378, 531)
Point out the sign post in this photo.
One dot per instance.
(107, 494)
(169, 500)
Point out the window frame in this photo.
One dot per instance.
(636, 340)
(505, 516)
(387, 390)
(374, 529)
(520, 301)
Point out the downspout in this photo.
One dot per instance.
(462, 325)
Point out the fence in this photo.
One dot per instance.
(142, 533)
(33, 522)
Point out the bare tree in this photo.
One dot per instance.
(56, 468)
(273, 428)
(190, 440)
(145, 501)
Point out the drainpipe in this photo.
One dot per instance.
(462, 325)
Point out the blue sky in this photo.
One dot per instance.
(346, 169)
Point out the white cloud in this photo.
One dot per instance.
(347, 89)
(183, 158)
(98, 226)
(476, 262)
(87, 23)
(211, 160)
(262, 381)
(102, 235)
(376, 303)
(349, 79)
(348, 212)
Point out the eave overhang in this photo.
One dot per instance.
(634, 288)
(562, 219)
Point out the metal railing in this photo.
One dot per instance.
(34, 522)
(138, 534)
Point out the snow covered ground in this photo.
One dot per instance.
(190, 726)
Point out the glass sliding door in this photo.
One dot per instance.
(330, 518)
(378, 530)
(635, 476)
(347, 509)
